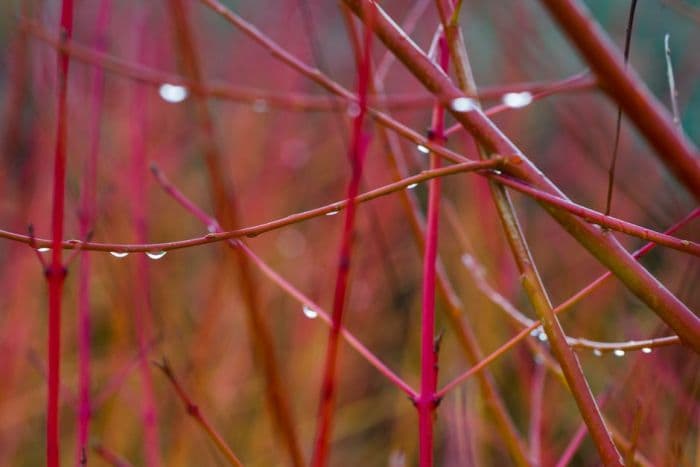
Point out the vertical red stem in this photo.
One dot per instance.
(142, 308)
(358, 148)
(56, 273)
(86, 218)
(426, 401)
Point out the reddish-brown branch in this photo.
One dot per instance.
(194, 411)
(227, 212)
(295, 101)
(213, 224)
(565, 305)
(110, 457)
(480, 167)
(624, 86)
(599, 243)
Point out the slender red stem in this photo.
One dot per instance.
(56, 272)
(194, 411)
(426, 402)
(86, 219)
(141, 302)
(358, 149)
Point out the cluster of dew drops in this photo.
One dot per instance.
(540, 335)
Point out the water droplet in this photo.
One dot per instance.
(353, 110)
(619, 352)
(397, 459)
(685, 242)
(463, 104)
(119, 254)
(423, 149)
(497, 172)
(517, 100)
(332, 213)
(411, 186)
(309, 312)
(535, 332)
(43, 249)
(173, 93)
(542, 337)
(259, 106)
(646, 349)
(156, 254)
(597, 352)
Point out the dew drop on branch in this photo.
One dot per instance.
(156, 254)
(619, 352)
(353, 110)
(309, 312)
(517, 100)
(597, 352)
(173, 93)
(463, 104)
(423, 149)
(259, 106)
(332, 213)
(119, 254)
(411, 186)
(646, 349)
(43, 249)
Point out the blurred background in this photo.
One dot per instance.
(283, 143)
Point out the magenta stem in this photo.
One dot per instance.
(427, 402)
(56, 273)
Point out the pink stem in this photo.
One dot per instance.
(86, 218)
(426, 402)
(56, 273)
(357, 154)
(142, 308)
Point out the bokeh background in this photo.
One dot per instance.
(189, 307)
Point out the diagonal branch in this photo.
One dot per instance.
(625, 87)
(601, 244)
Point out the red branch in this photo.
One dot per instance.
(426, 402)
(86, 219)
(56, 273)
(358, 151)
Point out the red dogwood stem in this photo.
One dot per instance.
(56, 272)
(426, 401)
(358, 150)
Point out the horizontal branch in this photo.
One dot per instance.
(293, 101)
(482, 168)
(254, 231)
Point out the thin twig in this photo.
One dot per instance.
(194, 411)
(671, 82)
(618, 121)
